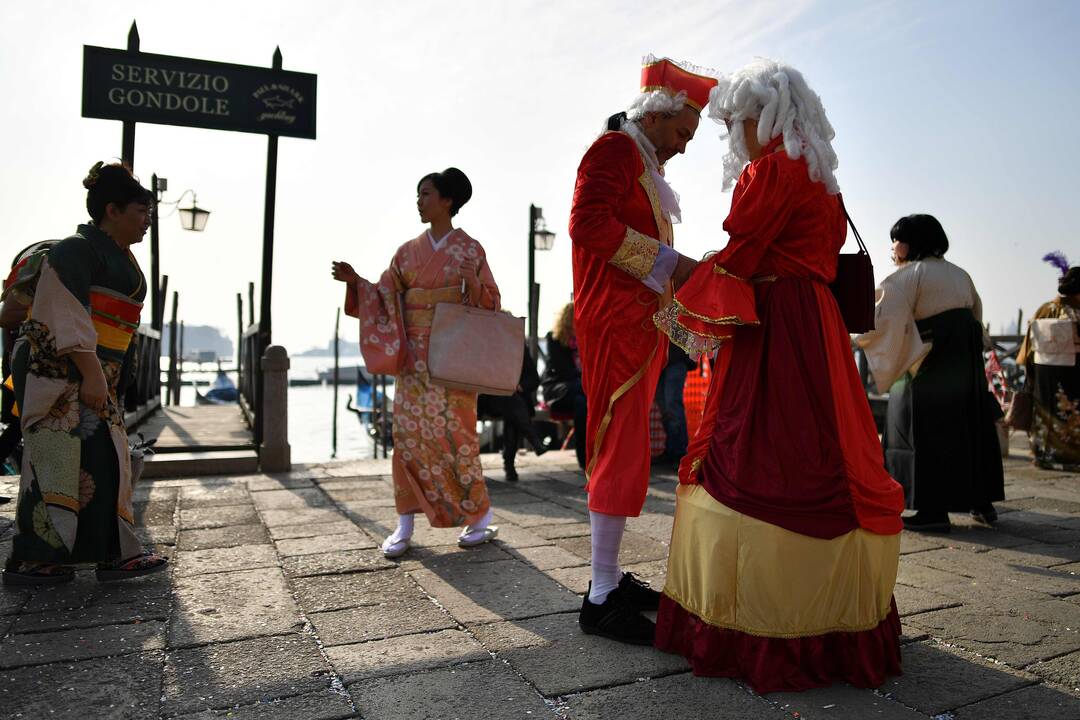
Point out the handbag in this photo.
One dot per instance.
(853, 287)
(476, 350)
(1020, 410)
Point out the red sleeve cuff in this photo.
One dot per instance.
(707, 309)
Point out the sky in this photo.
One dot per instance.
(964, 110)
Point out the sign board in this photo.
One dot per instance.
(143, 87)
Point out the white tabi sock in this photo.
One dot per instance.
(475, 531)
(403, 532)
(607, 532)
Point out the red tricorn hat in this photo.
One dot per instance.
(670, 77)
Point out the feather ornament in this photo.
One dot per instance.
(1058, 260)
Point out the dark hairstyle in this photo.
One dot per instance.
(923, 235)
(112, 184)
(451, 183)
(1069, 284)
(615, 122)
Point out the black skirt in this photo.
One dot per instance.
(940, 438)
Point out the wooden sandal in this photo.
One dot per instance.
(37, 573)
(144, 564)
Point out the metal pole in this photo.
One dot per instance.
(1020, 321)
(161, 339)
(265, 320)
(533, 342)
(337, 330)
(251, 303)
(127, 142)
(171, 393)
(155, 255)
(239, 335)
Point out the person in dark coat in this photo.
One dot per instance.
(561, 383)
(669, 396)
(516, 412)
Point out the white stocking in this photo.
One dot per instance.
(403, 532)
(475, 531)
(607, 532)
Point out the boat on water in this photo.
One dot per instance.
(222, 391)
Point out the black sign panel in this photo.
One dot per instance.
(143, 87)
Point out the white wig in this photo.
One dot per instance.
(777, 96)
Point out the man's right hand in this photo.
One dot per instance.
(683, 269)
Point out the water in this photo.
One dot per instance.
(310, 409)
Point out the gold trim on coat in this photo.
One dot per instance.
(622, 390)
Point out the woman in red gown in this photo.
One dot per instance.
(786, 540)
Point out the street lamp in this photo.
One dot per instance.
(193, 218)
(540, 238)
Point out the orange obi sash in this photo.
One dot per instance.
(420, 306)
(115, 317)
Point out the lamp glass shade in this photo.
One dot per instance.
(543, 239)
(194, 218)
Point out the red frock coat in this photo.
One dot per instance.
(616, 226)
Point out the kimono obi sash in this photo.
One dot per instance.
(1055, 341)
(420, 306)
(115, 317)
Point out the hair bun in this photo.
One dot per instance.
(460, 183)
(92, 177)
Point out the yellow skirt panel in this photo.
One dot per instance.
(736, 572)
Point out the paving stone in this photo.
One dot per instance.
(652, 525)
(841, 702)
(337, 592)
(85, 591)
(654, 572)
(533, 514)
(444, 554)
(266, 483)
(354, 540)
(80, 643)
(227, 559)
(222, 537)
(1038, 701)
(574, 579)
(290, 532)
(217, 516)
(937, 679)
(549, 557)
(312, 516)
(1039, 503)
(554, 655)
(1063, 671)
(551, 532)
(1018, 636)
(324, 705)
(477, 691)
(914, 542)
(635, 548)
(1042, 555)
(12, 600)
(126, 687)
(358, 469)
(214, 495)
(140, 610)
(489, 592)
(232, 606)
(298, 498)
(156, 534)
(155, 512)
(240, 673)
(146, 492)
(342, 561)
(400, 655)
(361, 490)
(675, 696)
(403, 615)
(333, 483)
(510, 535)
(911, 600)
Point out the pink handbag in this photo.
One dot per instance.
(476, 350)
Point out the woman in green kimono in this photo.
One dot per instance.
(85, 295)
(1049, 356)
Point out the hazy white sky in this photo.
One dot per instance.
(961, 109)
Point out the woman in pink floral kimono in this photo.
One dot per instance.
(436, 461)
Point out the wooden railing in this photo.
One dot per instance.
(143, 396)
(249, 378)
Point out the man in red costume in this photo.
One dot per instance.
(625, 270)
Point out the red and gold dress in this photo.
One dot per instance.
(786, 539)
(617, 227)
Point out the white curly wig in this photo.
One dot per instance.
(777, 96)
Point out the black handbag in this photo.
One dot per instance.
(853, 287)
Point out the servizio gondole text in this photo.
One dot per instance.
(167, 99)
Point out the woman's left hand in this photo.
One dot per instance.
(470, 273)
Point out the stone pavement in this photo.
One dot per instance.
(278, 604)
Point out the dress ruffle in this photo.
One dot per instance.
(707, 310)
(863, 659)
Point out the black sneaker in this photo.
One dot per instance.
(616, 619)
(924, 521)
(511, 475)
(985, 514)
(638, 593)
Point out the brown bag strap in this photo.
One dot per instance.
(855, 230)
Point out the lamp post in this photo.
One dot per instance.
(193, 218)
(540, 238)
